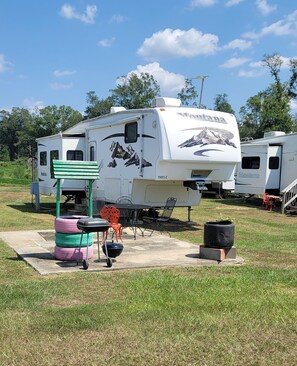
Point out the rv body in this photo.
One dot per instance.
(150, 154)
(268, 164)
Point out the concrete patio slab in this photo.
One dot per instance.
(158, 250)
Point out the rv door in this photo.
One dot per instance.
(274, 159)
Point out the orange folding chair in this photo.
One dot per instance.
(112, 215)
(267, 201)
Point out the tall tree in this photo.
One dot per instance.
(270, 109)
(12, 126)
(221, 104)
(250, 117)
(133, 91)
(52, 119)
(97, 107)
(188, 95)
(48, 121)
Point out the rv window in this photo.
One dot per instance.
(92, 153)
(43, 158)
(250, 162)
(54, 155)
(274, 162)
(130, 132)
(74, 155)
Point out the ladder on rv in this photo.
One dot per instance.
(289, 198)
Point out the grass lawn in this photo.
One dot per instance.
(245, 315)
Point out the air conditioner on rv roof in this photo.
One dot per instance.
(273, 133)
(117, 109)
(166, 102)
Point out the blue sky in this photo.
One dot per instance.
(53, 52)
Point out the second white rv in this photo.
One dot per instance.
(268, 164)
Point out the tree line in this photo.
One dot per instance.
(267, 110)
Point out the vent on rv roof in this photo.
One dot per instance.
(274, 133)
(117, 109)
(166, 102)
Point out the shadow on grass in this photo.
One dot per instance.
(49, 208)
(174, 225)
(249, 201)
(14, 259)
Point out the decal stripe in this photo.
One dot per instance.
(114, 135)
(122, 135)
(147, 136)
(202, 152)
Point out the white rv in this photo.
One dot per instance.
(148, 154)
(268, 164)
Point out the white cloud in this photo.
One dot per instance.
(285, 27)
(59, 86)
(169, 82)
(233, 2)
(255, 64)
(234, 62)
(67, 11)
(106, 42)
(4, 65)
(264, 7)
(241, 44)
(117, 18)
(33, 105)
(171, 43)
(202, 3)
(62, 73)
(251, 73)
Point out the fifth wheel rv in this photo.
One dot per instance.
(148, 154)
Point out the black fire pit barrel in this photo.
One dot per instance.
(219, 234)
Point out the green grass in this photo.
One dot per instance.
(15, 173)
(221, 315)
